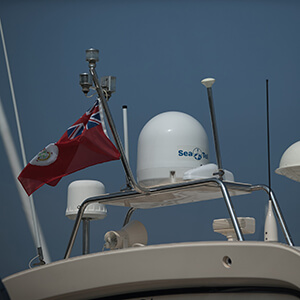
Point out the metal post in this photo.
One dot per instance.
(208, 82)
(85, 236)
(128, 215)
(115, 134)
(230, 208)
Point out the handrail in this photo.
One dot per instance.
(118, 195)
(223, 187)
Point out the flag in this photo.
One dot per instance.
(84, 144)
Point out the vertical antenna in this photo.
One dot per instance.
(125, 128)
(270, 233)
(208, 82)
(126, 141)
(268, 135)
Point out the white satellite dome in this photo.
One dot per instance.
(289, 165)
(170, 144)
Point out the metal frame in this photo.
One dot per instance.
(110, 198)
(127, 169)
(138, 190)
(128, 215)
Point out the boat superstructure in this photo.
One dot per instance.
(232, 269)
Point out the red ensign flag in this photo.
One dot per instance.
(84, 144)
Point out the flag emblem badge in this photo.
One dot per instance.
(46, 157)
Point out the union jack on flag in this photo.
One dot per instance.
(75, 131)
(94, 120)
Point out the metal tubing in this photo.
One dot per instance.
(215, 132)
(115, 134)
(81, 210)
(85, 236)
(277, 210)
(230, 208)
(128, 215)
(116, 196)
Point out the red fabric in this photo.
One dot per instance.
(84, 144)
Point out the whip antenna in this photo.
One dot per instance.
(270, 233)
(268, 136)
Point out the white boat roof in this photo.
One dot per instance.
(179, 193)
(162, 267)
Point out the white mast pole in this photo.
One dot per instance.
(125, 127)
(27, 202)
(15, 164)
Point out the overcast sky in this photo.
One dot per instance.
(159, 51)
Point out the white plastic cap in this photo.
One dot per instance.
(170, 144)
(80, 190)
(208, 82)
(289, 165)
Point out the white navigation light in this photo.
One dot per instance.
(289, 165)
(170, 144)
(80, 190)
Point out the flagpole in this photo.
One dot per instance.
(92, 64)
(30, 214)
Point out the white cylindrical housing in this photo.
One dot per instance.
(80, 190)
(270, 233)
(170, 144)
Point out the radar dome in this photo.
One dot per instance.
(170, 144)
(289, 165)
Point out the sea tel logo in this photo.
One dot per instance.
(197, 153)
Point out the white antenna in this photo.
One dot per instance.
(125, 126)
(16, 167)
(27, 202)
(208, 83)
(270, 233)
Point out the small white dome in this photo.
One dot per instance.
(80, 190)
(289, 165)
(170, 144)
